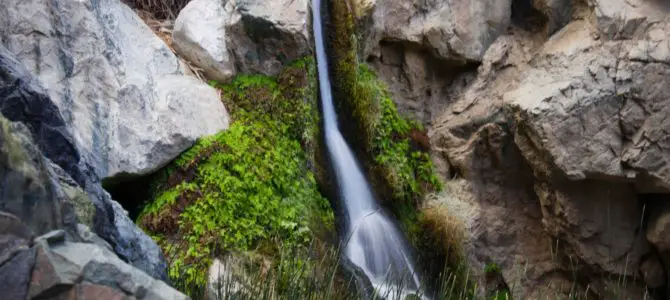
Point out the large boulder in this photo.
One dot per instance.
(246, 36)
(49, 184)
(53, 266)
(113, 81)
(62, 267)
(453, 30)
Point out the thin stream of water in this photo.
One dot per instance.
(373, 242)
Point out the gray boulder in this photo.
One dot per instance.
(245, 36)
(452, 30)
(52, 185)
(62, 269)
(113, 82)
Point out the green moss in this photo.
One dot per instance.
(83, 206)
(248, 188)
(388, 139)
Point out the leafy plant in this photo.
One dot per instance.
(247, 187)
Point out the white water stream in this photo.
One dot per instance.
(373, 243)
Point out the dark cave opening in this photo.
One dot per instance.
(132, 193)
(526, 16)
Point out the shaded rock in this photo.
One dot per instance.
(626, 19)
(658, 228)
(51, 275)
(90, 270)
(652, 272)
(473, 140)
(111, 78)
(15, 275)
(92, 291)
(26, 189)
(246, 36)
(22, 99)
(557, 12)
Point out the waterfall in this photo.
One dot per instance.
(372, 243)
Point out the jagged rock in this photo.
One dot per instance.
(450, 30)
(625, 19)
(27, 190)
(245, 36)
(93, 291)
(588, 117)
(90, 270)
(15, 275)
(584, 123)
(420, 49)
(23, 99)
(112, 80)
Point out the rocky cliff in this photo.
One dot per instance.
(549, 123)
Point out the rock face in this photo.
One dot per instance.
(113, 81)
(453, 30)
(67, 261)
(56, 268)
(50, 183)
(584, 114)
(246, 36)
(424, 50)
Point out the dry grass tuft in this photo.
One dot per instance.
(161, 9)
(163, 29)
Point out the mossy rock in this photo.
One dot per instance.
(393, 148)
(249, 188)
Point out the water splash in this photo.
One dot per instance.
(373, 243)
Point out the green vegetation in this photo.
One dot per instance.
(248, 188)
(392, 143)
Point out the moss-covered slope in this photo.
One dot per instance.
(249, 188)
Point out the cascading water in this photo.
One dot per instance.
(373, 243)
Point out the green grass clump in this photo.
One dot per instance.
(247, 188)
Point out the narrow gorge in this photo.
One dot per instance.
(334, 149)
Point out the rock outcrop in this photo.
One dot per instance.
(584, 114)
(66, 260)
(45, 166)
(451, 30)
(55, 266)
(113, 81)
(425, 50)
(245, 36)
